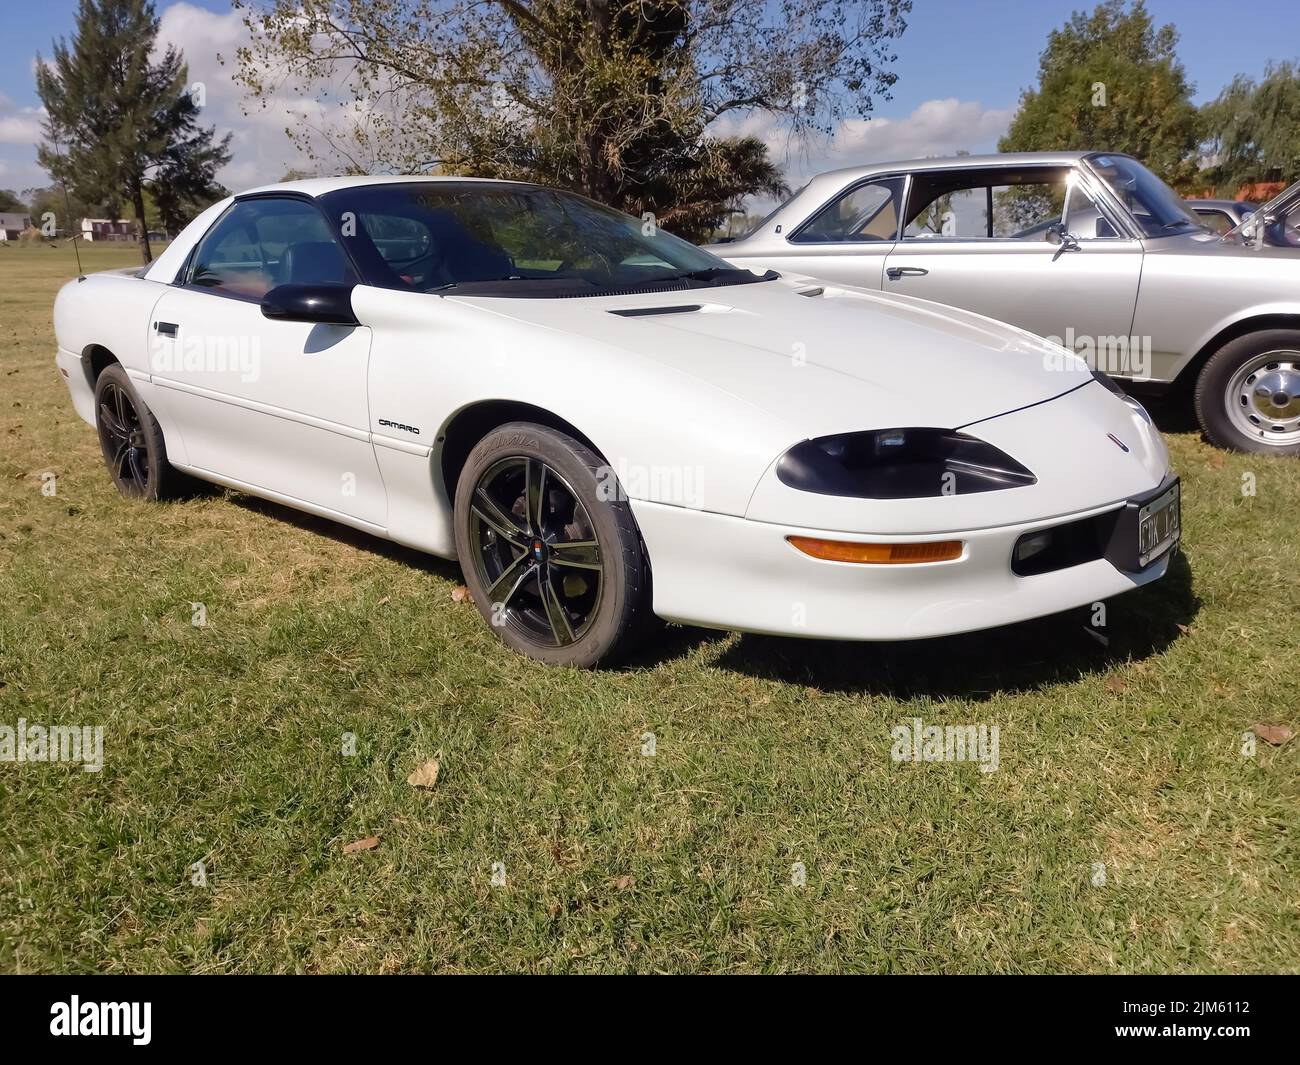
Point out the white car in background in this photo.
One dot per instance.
(601, 425)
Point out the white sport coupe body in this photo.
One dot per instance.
(602, 422)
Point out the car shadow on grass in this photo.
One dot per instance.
(1172, 411)
(979, 665)
(345, 534)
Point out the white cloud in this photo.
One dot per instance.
(20, 132)
(19, 125)
(261, 152)
(23, 127)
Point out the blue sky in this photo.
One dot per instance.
(961, 66)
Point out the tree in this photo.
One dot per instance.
(1253, 130)
(121, 123)
(1111, 81)
(9, 202)
(612, 98)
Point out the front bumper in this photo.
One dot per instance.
(73, 373)
(726, 572)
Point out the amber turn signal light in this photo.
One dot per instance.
(878, 554)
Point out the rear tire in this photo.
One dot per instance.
(553, 559)
(131, 440)
(1248, 394)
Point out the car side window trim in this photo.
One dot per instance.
(182, 279)
(1079, 176)
(848, 190)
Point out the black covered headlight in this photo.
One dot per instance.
(900, 464)
(1110, 384)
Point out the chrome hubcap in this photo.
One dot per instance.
(536, 552)
(1263, 397)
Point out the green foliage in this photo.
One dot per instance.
(1254, 129)
(611, 98)
(9, 201)
(122, 123)
(1111, 81)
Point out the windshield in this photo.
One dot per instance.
(1158, 209)
(487, 239)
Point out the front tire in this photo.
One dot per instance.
(550, 553)
(1248, 394)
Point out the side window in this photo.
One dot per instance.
(1001, 205)
(1083, 218)
(863, 214)
(259, 244)
(1218, 221)
(955, 212)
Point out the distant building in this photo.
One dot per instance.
(13, 224)
(96, 229)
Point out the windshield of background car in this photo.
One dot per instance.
(1158, 209)
(482, 239)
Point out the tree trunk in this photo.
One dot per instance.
(145, 250)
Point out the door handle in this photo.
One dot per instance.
(166, 329)
(895, 272)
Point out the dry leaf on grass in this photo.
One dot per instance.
(625, 883)
(367, 844)
(1216, 459)
(1274, 734)
(1115, 684)
(460, 594)
(426, 776)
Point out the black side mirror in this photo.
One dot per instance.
(327, 303)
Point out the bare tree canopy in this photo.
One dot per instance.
(611, 98)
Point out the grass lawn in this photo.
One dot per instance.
(1125, 830)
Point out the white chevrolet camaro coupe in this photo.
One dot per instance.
(604, 423)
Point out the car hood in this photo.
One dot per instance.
(1220, 248)
(824, 358)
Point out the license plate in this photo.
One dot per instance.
(1159, 526)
